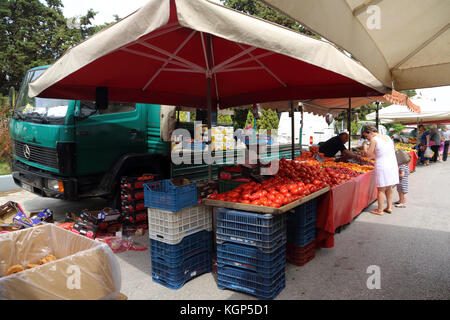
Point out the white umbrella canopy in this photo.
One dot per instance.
(404, 42)
(430, 112)
(161, 54)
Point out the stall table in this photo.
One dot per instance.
(413, 162)
(341, 205)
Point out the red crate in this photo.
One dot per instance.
(300, 256)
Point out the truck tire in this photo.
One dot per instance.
(114, 201)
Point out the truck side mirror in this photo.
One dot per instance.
(12, 97)
(101, 98)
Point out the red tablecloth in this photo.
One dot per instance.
(413, 162)
(341, 205)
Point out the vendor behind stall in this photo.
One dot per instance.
(330, 147)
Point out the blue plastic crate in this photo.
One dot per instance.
(303, 215)
(164, 195)
(265, 231)
(251, 258)
(248, 282)
(190, 245)
(302, 236)
(266, 244)
(176, 277)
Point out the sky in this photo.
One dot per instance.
(107, 8)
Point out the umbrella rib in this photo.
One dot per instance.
(241, 69)
(150, 56)
(215, 75)
(423, 45)
(234, 64)
(223, 65)
(162, 51)
(181, 46)
(182, 70)
(264, 66)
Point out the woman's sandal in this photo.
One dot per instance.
(387, 211)
(400, 205)
(397, 202)
(375, 211)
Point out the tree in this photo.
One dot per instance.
(240, 118)
(33, 33)
(259, 9)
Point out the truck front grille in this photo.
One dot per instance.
(40, 155)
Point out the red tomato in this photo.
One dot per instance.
(284, 190)
(245, 201)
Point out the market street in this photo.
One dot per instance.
(410, 247)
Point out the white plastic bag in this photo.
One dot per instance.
(85, 269)
(428, 153)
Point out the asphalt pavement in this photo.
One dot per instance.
(398, 256)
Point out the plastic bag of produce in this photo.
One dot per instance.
(428, 153)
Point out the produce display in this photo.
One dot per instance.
(355, 167)
(294, 180)
(408, 147)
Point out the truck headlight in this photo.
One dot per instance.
(55, 185)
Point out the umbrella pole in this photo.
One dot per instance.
(209, 99)
(292, 129)
(349, 123)
(378, 115)
(301, 129)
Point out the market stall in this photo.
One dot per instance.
(179, 55)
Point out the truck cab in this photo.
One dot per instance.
(69, 149)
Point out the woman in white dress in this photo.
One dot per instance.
(386, 168)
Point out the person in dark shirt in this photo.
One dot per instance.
(330, 147)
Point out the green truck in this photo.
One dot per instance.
(71, 150)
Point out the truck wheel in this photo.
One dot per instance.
(115, 201)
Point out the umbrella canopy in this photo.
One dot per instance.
(406, 42)
(164, 52)
(337, 105)
(431, 112)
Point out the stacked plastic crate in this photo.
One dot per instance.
(180, 233)
(301, 234)
(132, 202)
(251, 252)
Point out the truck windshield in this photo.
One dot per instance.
(39, 110)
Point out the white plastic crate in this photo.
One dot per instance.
(171, 227)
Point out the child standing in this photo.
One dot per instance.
(402, 187)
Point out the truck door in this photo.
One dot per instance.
(102, 136)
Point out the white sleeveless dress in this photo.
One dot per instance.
(386, 167)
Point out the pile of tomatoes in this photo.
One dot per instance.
(293, 181)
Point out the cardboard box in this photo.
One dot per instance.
(8, 211)
(85, 269)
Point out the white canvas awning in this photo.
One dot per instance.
(406, 42)
(161, 54)
(430, 112)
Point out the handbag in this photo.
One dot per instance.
(402, 157)
(428, 153)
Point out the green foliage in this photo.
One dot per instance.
(259, 9)
(240, 118)
(250, 121)
(397, 127)
(33, 33)
(224, 119)
(269, 120)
